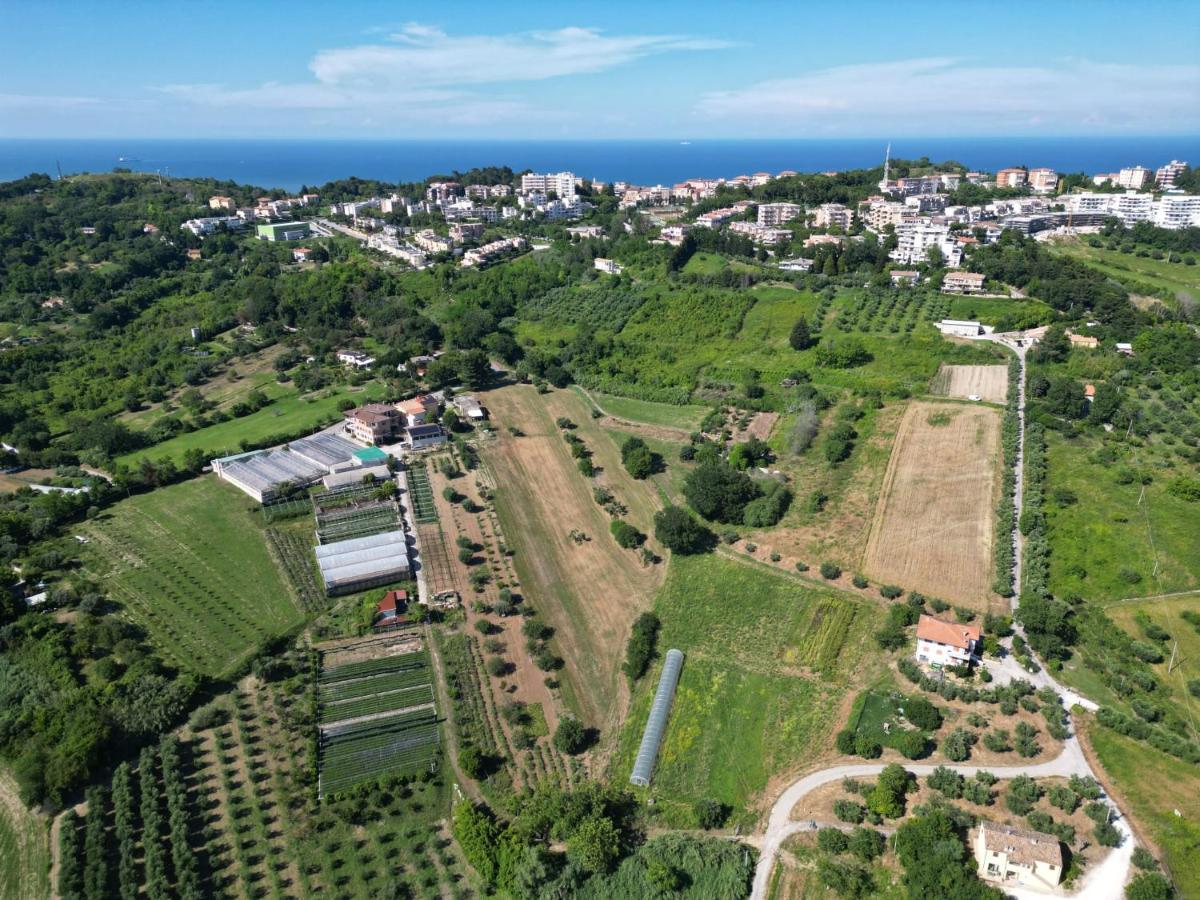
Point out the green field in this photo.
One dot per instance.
(291, 416)
(768, 660)
(1139, 274)
(1185, 642)
(686, 417)
(1152, 786)
(1104, 546)
(24, 847)
(990, 310)
(704, 263)
(189, 563)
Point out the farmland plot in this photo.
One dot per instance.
(191, 565)
(933, 526)
(376, 712)
(989, 383)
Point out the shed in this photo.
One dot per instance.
(370, 456)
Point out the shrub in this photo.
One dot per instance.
(922, 713)
(830, 571)
(832, 840)
(1064, 798)
(570, 737)
(1149, 886)
(679, 532)
(860, 581)
(910, 744)
(625, 534)
(946, 781)
(866, 843)
(1144, 859)
(1106, 835)
(956, 746)
(710, 813)
(890, 591)
(849, 811)
(640, 649)
(637, 458)
(845, 742)
(867, 748)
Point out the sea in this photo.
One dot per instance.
(292, 164)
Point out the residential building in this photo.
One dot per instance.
(1010, 178)
(301, 254)
(962, 283)
(1177, 211)
(925, 184)
(942, 643)
(799, 264)
(569, 207)
(389, 612)
(431, 242)
(925, 203)
(761, 235)
(585, 231)
(1011, 855)
(469, 407)
(1086, 341)
(418, 409)
(355, 359)
(829, 215)
(1166, 175)
(283, 231)
(1043, 181)
(561, 183)
(882, 213)
(772, 215)
(1130, 207)
(374, 423)
(1134, 177)
(421, 436)
(460, 232)
(443, 191)
(608, 266)
(385, 243)
(488, 252)
(674, 234)
(828, 240)
(915, 239)
(904, 277)
(226, 203)
(716, 217)
(200, 227)
(488, 191)
(960, 328)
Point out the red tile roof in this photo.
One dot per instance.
(954, 634)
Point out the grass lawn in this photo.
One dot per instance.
(1166, 614)
(1152, 786)
(989, 310)
(1104, 545)
(1138, 273)
(705, 263)
(189, 563)
(24, 847)
(291, 416)
(648, 412)
(768, 662)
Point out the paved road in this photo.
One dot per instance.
(1105, 881)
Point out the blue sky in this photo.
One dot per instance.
(673, 69)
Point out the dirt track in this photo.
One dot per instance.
(933, 526)
(990, 383)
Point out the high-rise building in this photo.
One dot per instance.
(1133, 177)
(1166, 175)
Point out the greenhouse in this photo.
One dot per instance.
(656, 725)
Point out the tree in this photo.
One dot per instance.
(1149, 886)
(832, 840)
(640, 649)
(956, 746)
(679, 532)
(637, 458)
(719, 492)
(922, 713)
(471, 761)
(1054, 345)
(710, 813)
(595, 844)
(887, 797)
(570, 737)
(800, 337)
(625, 534)
(866, 843)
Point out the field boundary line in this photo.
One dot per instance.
(1149, 598)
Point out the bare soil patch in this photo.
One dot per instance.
(589, 591)
(989, 383)
(933, 525)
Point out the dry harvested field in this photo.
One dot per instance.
(963, 382)
(590, 592)
(933, 524)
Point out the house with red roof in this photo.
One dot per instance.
(389, 612)
(942, 643)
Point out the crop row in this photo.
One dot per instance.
(292, 550)
(400, 698)
(387, 664)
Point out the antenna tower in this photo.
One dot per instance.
(887, 162)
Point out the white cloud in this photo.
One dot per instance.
(40, 101)
(420, 67)
(956, 97)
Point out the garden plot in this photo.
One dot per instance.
(933, 526)
(377, 715)
(988, 383)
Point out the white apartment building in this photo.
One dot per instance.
(772, 215)
(564, 208)
(1166, 175)
(760, 234)
(915, 239)
(1134, 177)
(225, 203)
(562, 183)
(1043, 181)
(831, 214)
(209, 224)
(385, 243)
(608, 266)
(443, 191)
(674, 234)
(1178, 211)
(488, 252)
(1010, 178)
(431, 242)
(1129, 208)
